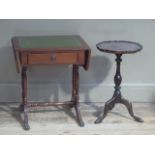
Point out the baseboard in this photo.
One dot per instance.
(11, 92)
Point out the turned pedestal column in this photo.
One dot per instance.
(118, 48)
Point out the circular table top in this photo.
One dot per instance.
(119, 47)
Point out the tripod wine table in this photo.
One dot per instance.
(118, 48)
(51, 50)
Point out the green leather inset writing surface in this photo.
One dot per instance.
(50, 42)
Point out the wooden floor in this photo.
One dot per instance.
(58, 120)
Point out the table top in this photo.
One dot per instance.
(119, 47)
(49, 43)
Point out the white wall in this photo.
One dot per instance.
(48, 83)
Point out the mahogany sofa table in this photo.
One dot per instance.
(118, 48)
(51, 50)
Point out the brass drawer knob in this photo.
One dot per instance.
(53, 57)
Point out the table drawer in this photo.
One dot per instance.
(56, 58)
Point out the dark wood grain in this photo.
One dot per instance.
(118, 49)
(76, 56)
(83, 48)
(75, 94)
(24, 97)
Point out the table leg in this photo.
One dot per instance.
(24, 98)
(109, 105)
(130, 109)
(75, 93)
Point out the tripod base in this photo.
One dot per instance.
(109, 105)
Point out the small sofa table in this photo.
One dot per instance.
(50, 50)
(118, 48)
